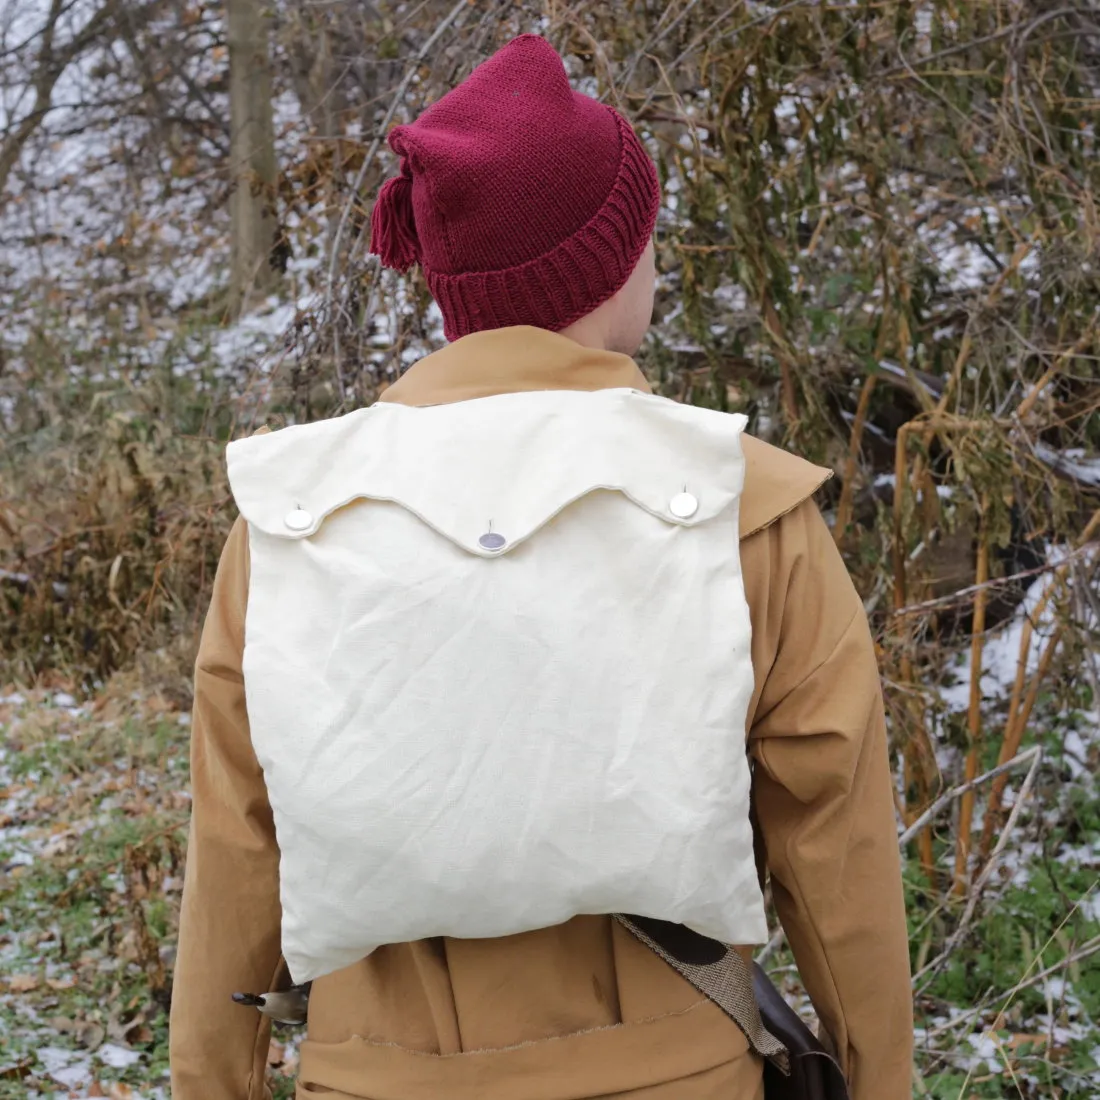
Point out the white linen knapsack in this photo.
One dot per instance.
(497, 669)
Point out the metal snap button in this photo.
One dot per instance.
(683, 506)
(298, 520)
(492, 541)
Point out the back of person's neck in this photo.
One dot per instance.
(587, 334)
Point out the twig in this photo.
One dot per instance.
(956, 792)
(1088, 609)
(1086, 950)
(775, 328)
(771, 947)
(847, 488)
(1018, 716)
(915, 770)
(976, 892)
(1004, 32)
(708, 35)
(997, 582)
(1020, 712)
(1033, 394)
(51, 64)
(659, 32)
(368, 161)
(966, 345)
(974, 708)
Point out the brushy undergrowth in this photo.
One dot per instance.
(113, 508)
(880, 241)
(93, 824)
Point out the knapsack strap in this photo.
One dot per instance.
(725, 979)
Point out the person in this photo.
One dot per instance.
(480, 670)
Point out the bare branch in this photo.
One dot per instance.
(51, 64)
(450, 18)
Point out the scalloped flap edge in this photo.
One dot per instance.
(503, 465)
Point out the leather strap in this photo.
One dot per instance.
(724, 978)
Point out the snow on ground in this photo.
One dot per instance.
(1079, 740)
(93, 807)
(1001, 652)
(99, 236)
(1072, 461)
(1001, 648)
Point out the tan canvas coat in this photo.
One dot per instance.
(581, 1010)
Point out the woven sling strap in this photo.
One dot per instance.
(724, 978)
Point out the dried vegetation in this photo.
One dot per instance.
(881, 241)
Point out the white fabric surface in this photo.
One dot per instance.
(471, 743)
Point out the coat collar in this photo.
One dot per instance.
(513, 360)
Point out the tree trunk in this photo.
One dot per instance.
(252, 153)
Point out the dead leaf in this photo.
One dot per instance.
(275, 1053)
(159, 704)
(61, 1023)
(136, 1031)
(16, 1071)
(95, 1090)
(58, 845)
(90, 1036)
(22, 983)
(119, 1091)
(61, 983)
(127, 950)
(1018, 1040)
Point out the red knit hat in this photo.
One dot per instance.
(524, 202)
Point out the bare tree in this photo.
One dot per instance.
(253, 168)
(52, 60)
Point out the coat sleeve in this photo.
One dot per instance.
(825, 810)
(229, 922)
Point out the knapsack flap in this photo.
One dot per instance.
(532, 459)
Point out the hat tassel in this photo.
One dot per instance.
(392, 225)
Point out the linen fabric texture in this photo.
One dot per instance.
(470, 742)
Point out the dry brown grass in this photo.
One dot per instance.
(112, 516)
